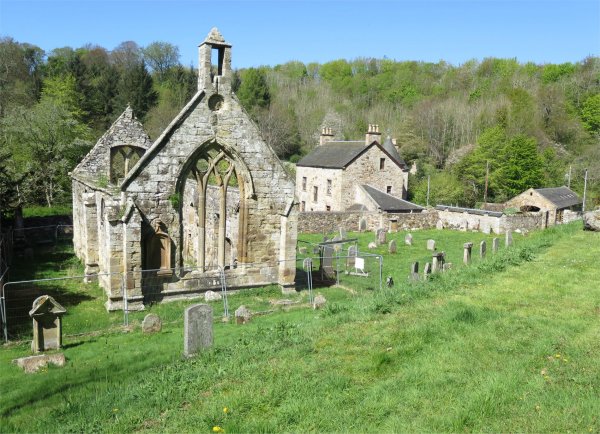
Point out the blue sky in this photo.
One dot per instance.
(273, 32)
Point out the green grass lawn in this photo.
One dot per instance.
(510, 343)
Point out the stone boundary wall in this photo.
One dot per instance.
(478, 220)
(523, 222)
(327, 222)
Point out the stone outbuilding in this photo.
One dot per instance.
(560, 204)
(208, 197)
(353, 175)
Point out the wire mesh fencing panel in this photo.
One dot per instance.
(84, 303)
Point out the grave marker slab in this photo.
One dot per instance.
(392, 248)
(467, 253)
(482, 249)
(47, 324)
(362, 224)
(381, 236)
(508, 238)
(495, 245)
(431, 245)
(197, 329)
(408, 239)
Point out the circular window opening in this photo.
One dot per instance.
(215, 102)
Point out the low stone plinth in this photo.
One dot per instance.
(33, 364)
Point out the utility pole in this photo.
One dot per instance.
(584, 191)
(570, 168)
(487, 174)
(428, 190)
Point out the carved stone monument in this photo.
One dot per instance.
(467, 253)
(47, 324)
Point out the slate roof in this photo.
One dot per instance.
(390, 203)
(562, 197)
(333, 155)
(339, 154)
(388, 145)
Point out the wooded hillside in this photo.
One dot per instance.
(529, 123)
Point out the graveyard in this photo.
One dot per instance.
(504, 342)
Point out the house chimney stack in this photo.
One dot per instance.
(373, 134)
(326, 136)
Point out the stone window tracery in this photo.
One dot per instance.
(122, 159)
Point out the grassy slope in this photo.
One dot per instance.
(480, 349)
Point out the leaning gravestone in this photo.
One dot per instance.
(431, 245)
(392, 247)
(362, 224)
(508, 238)
(482, 249)
(495, 243)
(197, 329)
(408, 239)
(47, 324)
(151, 323)
(381, 236)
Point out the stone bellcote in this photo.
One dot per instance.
(214, 77)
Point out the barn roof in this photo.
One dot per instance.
(562, 197)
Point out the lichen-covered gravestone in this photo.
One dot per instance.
(151, 323)
(414, 271)
(392, 248)
(482, 249)
(242, 315)
(381, 236)
(467, 253)
(408, 239)
(197, 329)
(495, 244)
(362, 224)
(47, 324)
(431, 245)
(508, 238)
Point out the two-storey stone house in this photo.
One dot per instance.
(353, 175)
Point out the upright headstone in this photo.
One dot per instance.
(47, 324)
(482, 249)
(408, 239)
(343, 233)
(392, 248)
(381, 236)
(414, 271)
(439, 225)
(197, 329)
(352, 251)
(467, 253)
(431, 245)
(372, 245)
(485, 227)
(327, 262)
(362, 224)
(495, 244)
(427, 270)
(509, 239)
(437, 262)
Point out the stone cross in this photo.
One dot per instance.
(508, 238)
(414, 271)
(482, 249)
(431, 245)
(467, 253)
(408, 239)
(197, 329)
(392, 247)
(495, 243)
(362, 224)
(47, 324)
(381, 236)
(437, 262)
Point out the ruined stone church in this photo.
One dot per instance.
(208, 197)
